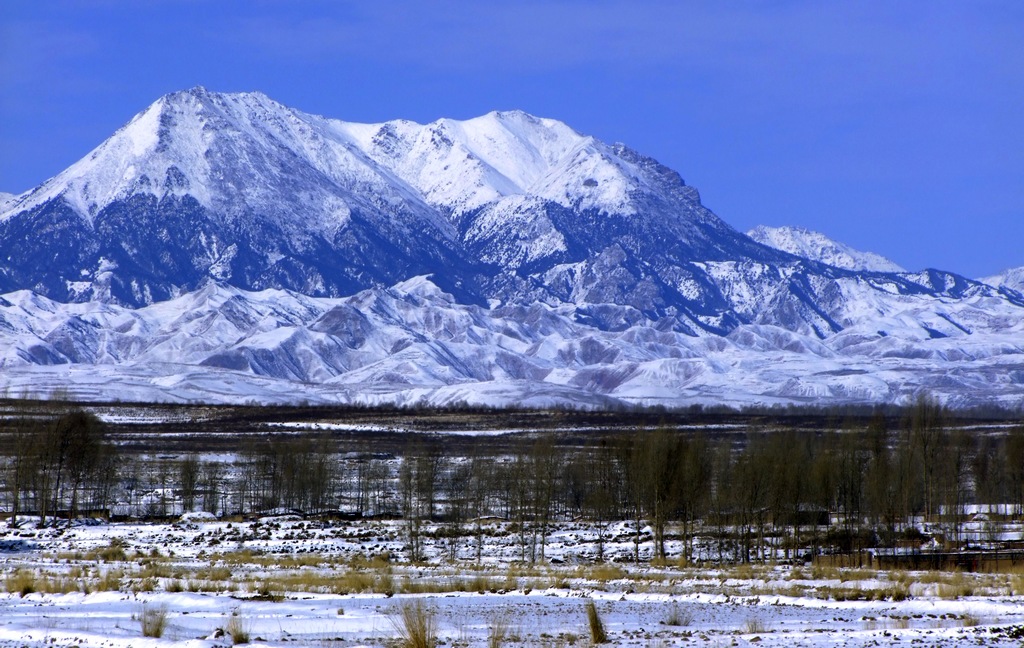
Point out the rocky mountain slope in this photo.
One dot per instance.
(226, 246)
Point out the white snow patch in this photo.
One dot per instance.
(818, 247)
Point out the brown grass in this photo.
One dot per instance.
(415, 625)
(597, 631)
(238, 628)
(153, 620)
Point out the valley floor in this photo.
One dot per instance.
(284, 581)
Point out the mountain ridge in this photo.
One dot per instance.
(1012, 278)
(218, 175)
(493, 224)
(815, 245)
(414, 344)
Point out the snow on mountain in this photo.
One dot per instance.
(233, 187)
(413, 343)
(463, 165)
(225, 247)
(240, 189)
(817, 246)
(233, 154)
(1012, 278)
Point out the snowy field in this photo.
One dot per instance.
(284, 581)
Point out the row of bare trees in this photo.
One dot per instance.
(756, 496)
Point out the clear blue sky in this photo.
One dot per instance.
(896, 127)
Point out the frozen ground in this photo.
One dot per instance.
(290, 582)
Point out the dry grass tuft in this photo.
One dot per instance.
(499, 632)
(597, 631)
(414, 623)
(153, 620)
(605, 572)
(824, 572)
(754, 625)
(969, 620)
(678, 616)
(110, 581)
(27, 581)
(22, 582)
(113, 552)
(238, 628)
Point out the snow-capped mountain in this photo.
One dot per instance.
(241, 189)
(234, 188)
(229, 245)
(815, 245)
(1012, 278)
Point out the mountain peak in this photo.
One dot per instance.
(1012, 278)
(201, 92)
(197, 92)
(517, 116)
(239, 188)
(515, 113)
(818, 247)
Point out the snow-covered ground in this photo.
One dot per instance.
(288, 581)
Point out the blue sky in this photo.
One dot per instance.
(896, 127)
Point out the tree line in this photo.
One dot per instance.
(59, 462)
(692, 494)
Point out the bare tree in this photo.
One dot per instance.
(457, 479)
(65, 452)
(657, 460)
(21, 464)
(604, 483)
(481, 489)
(954, 482)
(188, 481)
(212, 473)
(1014, 462)
(927, 420)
